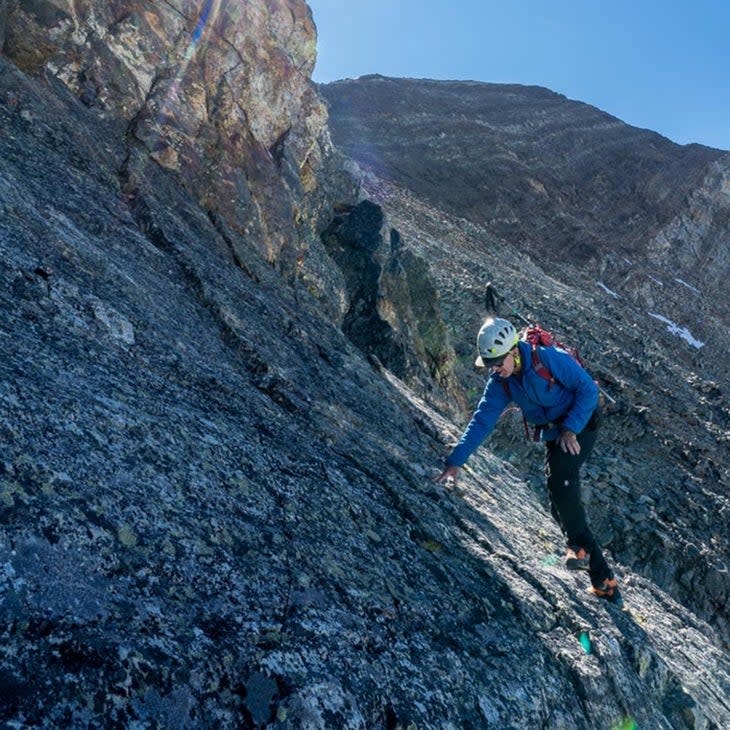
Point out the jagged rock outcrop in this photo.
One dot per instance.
(214, 512)
(393, 310)
(217, 92)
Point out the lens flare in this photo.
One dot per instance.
(209, 13)
(169, 97)
(628, 723)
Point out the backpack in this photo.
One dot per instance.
(537, 336)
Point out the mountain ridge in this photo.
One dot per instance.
(559, 203)
(511, 131)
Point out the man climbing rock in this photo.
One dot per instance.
(559, 396)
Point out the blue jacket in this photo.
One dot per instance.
(571, 400)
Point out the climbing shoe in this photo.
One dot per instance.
(608, 590)
(577, 559)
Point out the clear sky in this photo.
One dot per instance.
(663, 66)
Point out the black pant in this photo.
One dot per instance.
(566, 505)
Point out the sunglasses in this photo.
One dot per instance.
(498, 363)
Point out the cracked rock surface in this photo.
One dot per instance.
(215, 510)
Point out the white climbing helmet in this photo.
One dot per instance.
(495, 339)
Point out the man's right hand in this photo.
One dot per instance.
(449, 474)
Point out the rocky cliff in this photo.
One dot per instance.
(215, 498)
(216, 92)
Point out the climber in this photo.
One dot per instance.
(566, 408)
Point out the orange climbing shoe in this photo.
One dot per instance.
(608, 590)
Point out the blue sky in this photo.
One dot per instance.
(663, 66)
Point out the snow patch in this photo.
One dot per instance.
(655, 280)
(606, 289)
(675, 329)
(689, 286)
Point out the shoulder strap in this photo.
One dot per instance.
(540, 368)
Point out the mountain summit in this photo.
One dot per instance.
(560, 179)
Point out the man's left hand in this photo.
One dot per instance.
(569, 443)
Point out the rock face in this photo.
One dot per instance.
(217, 92)
(215, 512)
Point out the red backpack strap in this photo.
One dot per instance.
(540, 368)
